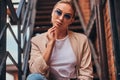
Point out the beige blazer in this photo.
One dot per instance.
(80, 47)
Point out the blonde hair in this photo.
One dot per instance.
(70, 2)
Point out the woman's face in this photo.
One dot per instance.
(62, 16)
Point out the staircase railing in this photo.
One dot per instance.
(87, 30)
(24, 18)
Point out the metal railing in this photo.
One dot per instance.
(87, 30)
(24, 17)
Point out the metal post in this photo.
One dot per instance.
(19, 53)
(102, 41)
(114, 9)
(3, 39)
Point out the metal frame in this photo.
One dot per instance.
(102, 41)
(3, 38)
(115, 28)
(20, 19)
(87, 31)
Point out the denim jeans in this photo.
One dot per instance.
(36, 76)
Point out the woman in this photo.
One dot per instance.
(60, 54)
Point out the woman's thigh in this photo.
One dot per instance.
(36, 76)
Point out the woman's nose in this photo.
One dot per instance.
(61, 17)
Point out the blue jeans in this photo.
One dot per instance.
(36, 76)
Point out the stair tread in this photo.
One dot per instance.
(45, 28)
(48, 22)
(46, 12)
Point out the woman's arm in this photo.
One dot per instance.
(40, 55)
(86, 69)
(37, 63)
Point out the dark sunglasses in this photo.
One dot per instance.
(66, 16)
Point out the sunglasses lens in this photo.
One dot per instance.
(58, 12)
(67, 16)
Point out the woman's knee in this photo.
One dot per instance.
(36, 76)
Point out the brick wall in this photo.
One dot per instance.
(85, 9)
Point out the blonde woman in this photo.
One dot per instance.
(60, 54)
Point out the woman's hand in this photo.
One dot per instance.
(49, 47)
(51, 34)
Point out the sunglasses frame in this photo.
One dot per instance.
(66, 16)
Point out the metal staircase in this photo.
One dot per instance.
(23, 18)
(26, 20)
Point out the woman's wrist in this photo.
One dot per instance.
(50, 43)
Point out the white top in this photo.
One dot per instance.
(63, 59)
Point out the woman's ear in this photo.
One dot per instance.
(72, 20)
(51, 16)
(52, 13)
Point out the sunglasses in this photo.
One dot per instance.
(66, 16)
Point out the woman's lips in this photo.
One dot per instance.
(58, 23)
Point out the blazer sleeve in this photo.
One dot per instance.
(85, 69)
(36, 63)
